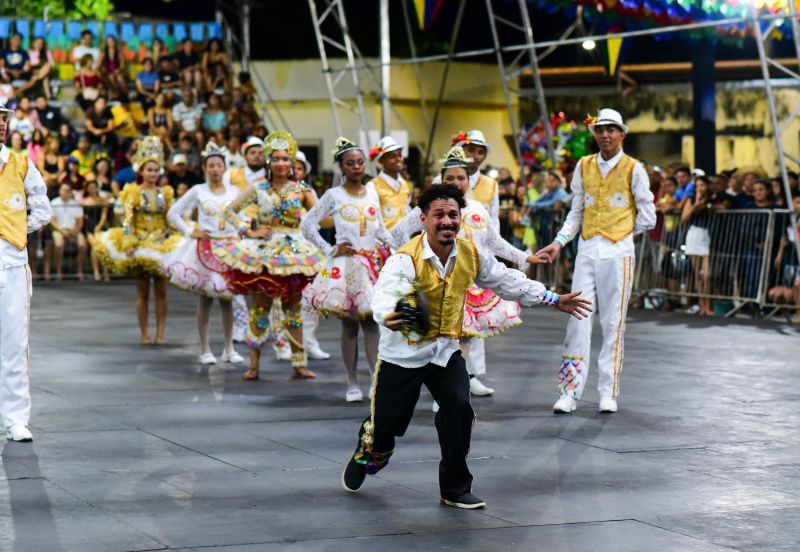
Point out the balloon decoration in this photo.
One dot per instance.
(571, 141)
(629, 15)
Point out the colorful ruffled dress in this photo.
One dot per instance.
(145, 232)
(485, 314)
(280, 266)
(193, 266)
(344, 285)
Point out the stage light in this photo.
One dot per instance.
(589, 44)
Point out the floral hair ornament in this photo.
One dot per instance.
(212, 150)
(150, 149)
(280, 140)
(456, 157)
(590, 119)
(474, 136)
(344, 145)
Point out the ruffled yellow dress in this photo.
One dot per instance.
(136, 249)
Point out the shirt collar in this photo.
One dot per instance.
(393, 182)
(3, 153)
(611, 162)
(427, 252)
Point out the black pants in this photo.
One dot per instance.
(396, 394)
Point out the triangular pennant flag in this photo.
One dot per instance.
(419, 7)
(612, 51)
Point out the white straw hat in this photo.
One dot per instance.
(608, 116)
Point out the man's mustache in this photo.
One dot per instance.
(446, 227)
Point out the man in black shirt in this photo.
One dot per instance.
(169, 79)
(189, 64)
(50, 117)
(180, 173)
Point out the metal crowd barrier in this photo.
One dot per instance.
(737, 272)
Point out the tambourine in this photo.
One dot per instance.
(415, 313)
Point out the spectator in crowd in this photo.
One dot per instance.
(51, 165)
(126, 174)
(683, 175)
(36, 146)
(158, 50)
(794, 182)
(233, 155)
(777, 192)
(187, 116)
(49, 117)
(16, 143)
(147, 83)
(67, 140)
(113, 69)
(84, 155)
(189, 65)
(169, 80)
(86, 47)
(187, 147)
(213, 116)
(160, 121)
(507, 194)
(67, 224)
(22, 123)
(552, 201)
(179, 172)
(95, 211)
(128, 118)
(42, 63)
(216, 68)
(100, 125)
(667, 211)
(102, 175)
(696, 212)
(745, 199)
(88, 83)
(17, 66)
(71, 176)
(787, 266)
(246, 87)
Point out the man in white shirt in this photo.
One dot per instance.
(441, 266)
(394, 192)
(85, 47)
(67, 224)
(612, 203)
(187, 115)
(21, 188)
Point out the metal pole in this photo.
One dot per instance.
(326, 69)
(348, 44)
(776, 129)
(453, 38)
(537, 81)
(385, 68)
(245, 5)
(512, 117)
(417, 72)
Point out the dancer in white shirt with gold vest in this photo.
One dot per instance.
(612, 203)
(21, 188)
(438, 266)
(394, 191)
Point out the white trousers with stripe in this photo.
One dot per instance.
(15, 302)
(607, 283)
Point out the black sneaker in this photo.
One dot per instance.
(353, 476)
(467, 501)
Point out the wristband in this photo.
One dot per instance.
(550, 298)
(560, 241)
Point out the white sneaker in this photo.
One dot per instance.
(315, 351)
(607, 405)
(282, 352)
(354, 395)
(19, 433)
(233, 357)
(207, 358)
(694, 309)
(435, 406)
(477, 388)
(565, 404)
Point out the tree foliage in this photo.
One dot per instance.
(95, 10)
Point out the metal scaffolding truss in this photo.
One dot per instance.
(511, 71)
(342, 42)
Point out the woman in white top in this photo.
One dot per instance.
(192, 266)
(343, 287)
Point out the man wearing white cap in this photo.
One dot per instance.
(394, 192)
(240, 177)
(612, 203)
(482, 188)
(302, 169)
(21, 188)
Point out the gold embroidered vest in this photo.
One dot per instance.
(446, 295)
(484, 191)
(609, 206)
(13, 201)
(393, 204)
